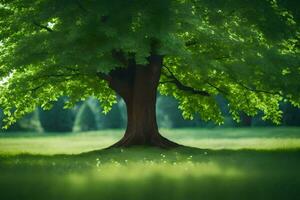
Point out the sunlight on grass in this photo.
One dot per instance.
(249, 143)
(230, 164)
(53, 145)
(137, 170)
(57, 143)
(48, 144)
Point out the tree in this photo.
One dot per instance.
(57, 119)
(291, 115)
(168, 115)
(29, 122)
(246, 51)
(111, 120)
(85, 119)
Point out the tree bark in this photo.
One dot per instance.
(137, 85)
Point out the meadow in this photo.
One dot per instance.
(256, 163)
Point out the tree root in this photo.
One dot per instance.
(156, 141)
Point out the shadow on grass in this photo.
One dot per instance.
(157, 155)
(150, 173)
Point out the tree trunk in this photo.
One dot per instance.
(137, 85)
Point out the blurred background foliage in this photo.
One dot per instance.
(87, 116)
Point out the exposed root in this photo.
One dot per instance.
(156, 141)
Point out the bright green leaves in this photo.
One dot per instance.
(191, 104)
(251, 102)
(231, 54)
(24, 91)
(245, 51)
(285, 14)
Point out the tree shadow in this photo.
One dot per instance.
(260, 174)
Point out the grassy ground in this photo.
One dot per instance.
(228, 164)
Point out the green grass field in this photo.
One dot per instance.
(227, 164)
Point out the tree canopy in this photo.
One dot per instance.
(244, 50)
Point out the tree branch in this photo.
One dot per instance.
(68, 77)
(33, 90)
(257, 90)
(181, 86)
(217, 88)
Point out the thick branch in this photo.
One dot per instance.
(181, 86)
(119, 80)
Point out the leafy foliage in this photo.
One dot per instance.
(246, 51)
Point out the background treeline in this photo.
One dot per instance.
(87, 115)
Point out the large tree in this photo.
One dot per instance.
(245, 50)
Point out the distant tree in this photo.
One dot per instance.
(246, 51)
(291, 115)
(111, 120)
(96, 109)
(257, 121)
(123, 111)
(29, 122)
(57, 119)
(246, 120)
(225, 110)
(85, 119)
(168, 115)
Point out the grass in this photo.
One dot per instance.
(228, 164)
(217, 139)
